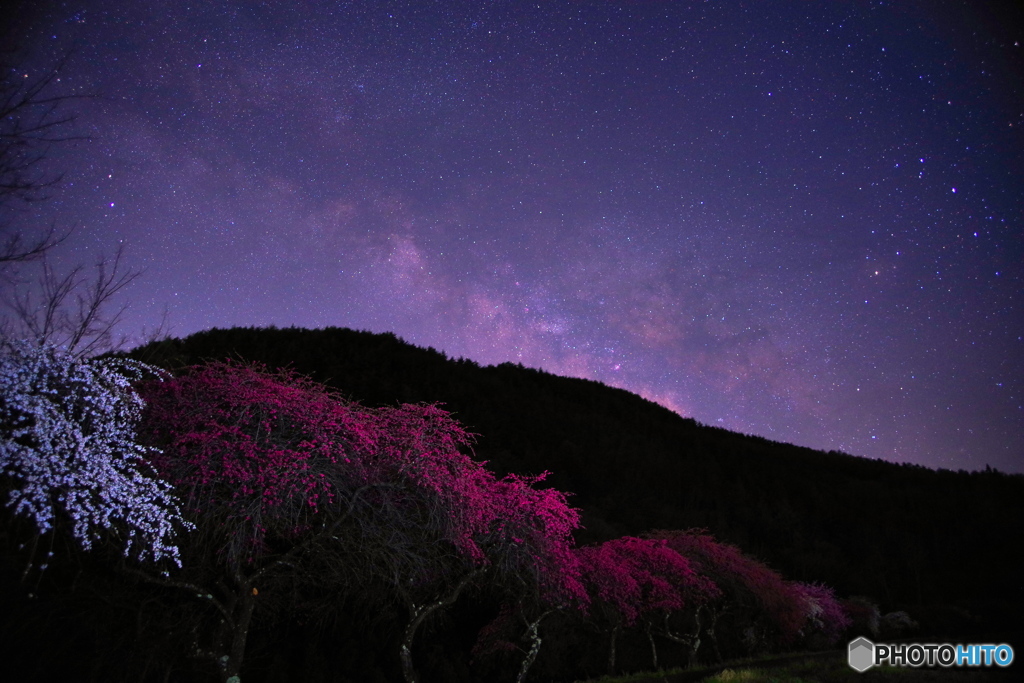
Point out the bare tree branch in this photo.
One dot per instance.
(32, 119)
(73, 311)
(16, 249)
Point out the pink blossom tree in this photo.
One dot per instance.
(288, 481)
(538, 573)
(467, 527)
(68, 452)
(824, 616)
(755, 595)
(634, 579)
(269, 466)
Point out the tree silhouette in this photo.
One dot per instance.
(537, 574)
(824, 616)
(470, 527)
(71, 311)
(636, 579)
(765, 609)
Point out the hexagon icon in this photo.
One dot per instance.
(861, 654)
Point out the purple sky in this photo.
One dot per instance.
(797, 219)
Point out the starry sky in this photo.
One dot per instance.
(796, 219)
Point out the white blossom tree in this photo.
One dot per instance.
(68, 451)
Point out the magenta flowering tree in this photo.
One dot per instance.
(632, 580)
(765, 608)
(68, 452)
(459, 525)
(257, 452)
(289, 483)
(537, 572)
(530, 539)
(419, 540)
(269, 466)
(824, 616)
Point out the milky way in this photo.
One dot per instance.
(801, 220)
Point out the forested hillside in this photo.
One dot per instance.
(295, 505)
(938, 543)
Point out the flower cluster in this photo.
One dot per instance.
(823, 613)
(270, 455)
(637, 576)
(746, 583)
(533, 530)
(254, 453)
(68, 446)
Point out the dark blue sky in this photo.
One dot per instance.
(799, 219)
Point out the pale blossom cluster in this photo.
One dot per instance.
(823, 613)
(68, 450)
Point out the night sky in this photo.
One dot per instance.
(796, 219)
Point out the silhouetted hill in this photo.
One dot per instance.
(905, 535)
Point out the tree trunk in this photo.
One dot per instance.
(654, 648)
(611, 650)
(240, 633)
(535, 641)
(418, 613)
(695, 639)
(232, 634)
(711, 636)
(235, 616)
(405, 651)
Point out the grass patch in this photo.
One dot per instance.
(831, 669)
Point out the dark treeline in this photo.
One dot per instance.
(937, 544)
